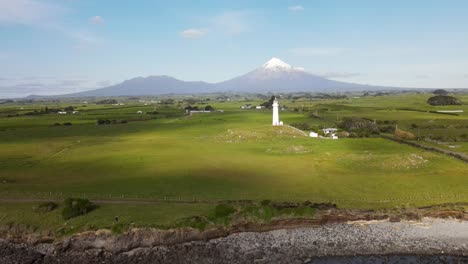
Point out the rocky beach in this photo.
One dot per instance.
(429, 240)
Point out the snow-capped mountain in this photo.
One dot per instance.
(273, 76)
(277, 65)
(278, 76)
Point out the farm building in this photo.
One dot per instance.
(313, 134)
(327, 131)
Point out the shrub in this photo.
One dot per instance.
(443, 100)
(74, 207)
(269, 103)
(401, 134)
(57, 124)
(224, 210)
(265, 202)
(198, 222)
(67, 124)
(190, 108)
(209, 108)
(107, 101)
(46, 207)
(103, 122)
(343, 134)
(69, 109)
(387, 129)
(359, 127)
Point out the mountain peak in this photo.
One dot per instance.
(276, 64)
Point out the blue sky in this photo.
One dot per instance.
(50, 47)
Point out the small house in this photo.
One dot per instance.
(139, 112)
(313, 134)
(75, 112)
(62, 112)
(327, 131)
(259, 107)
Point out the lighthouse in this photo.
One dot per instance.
(276, 121)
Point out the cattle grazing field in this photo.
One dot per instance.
(160, 166)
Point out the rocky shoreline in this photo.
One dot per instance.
(383, 241)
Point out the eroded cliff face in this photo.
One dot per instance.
(416, 241)
(332, 232)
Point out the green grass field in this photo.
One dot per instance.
(234, 155)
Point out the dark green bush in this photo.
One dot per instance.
(74, 207)
(359, 127)
(224, 210)
(443, 100)
(107, 101)
(46, 207)
(198, 222)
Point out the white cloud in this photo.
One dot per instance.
(193, 33)
(312, 52)
(233, 23)
(296, 8)
(44, 16)
(96, 20)
(38, 85)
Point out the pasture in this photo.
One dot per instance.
(211, 157)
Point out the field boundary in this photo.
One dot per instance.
(144, 199)
(454, 154)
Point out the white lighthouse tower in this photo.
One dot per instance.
(276, 121)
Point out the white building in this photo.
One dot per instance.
(62, 113)
(313, 134)
(259, 107)
(140, 112)
(327, 131)
(276, 121)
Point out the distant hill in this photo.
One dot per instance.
(273, 76)
(152, 85)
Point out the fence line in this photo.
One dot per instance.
(135, 198)
(454, 154)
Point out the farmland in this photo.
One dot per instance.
(187, 163)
